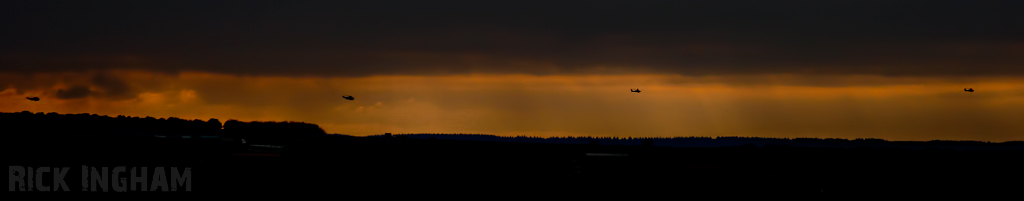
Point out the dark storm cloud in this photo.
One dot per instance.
(444, 37)
(73, 92)
(100, 84)
(112, 86)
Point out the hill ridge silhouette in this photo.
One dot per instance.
(723, 141)
(277, 132)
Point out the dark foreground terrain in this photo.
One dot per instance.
(299, 160)
(337, 165)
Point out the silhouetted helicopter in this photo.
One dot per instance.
(33, 98)
(969, 90)
(348, 97)
(637, 90)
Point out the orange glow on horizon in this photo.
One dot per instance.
(851, 106)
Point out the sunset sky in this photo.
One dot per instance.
(893, 70)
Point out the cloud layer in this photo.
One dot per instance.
(847, 69)
(272, 38)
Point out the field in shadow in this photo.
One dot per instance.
(297, 158)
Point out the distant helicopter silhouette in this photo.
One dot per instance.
(348, 97)
(33, 98)
(637, 90)
(969, 90)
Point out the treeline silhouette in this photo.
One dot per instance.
(28, 123)
(728, 141)
(269, 132)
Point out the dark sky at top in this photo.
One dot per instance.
(345, 38)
